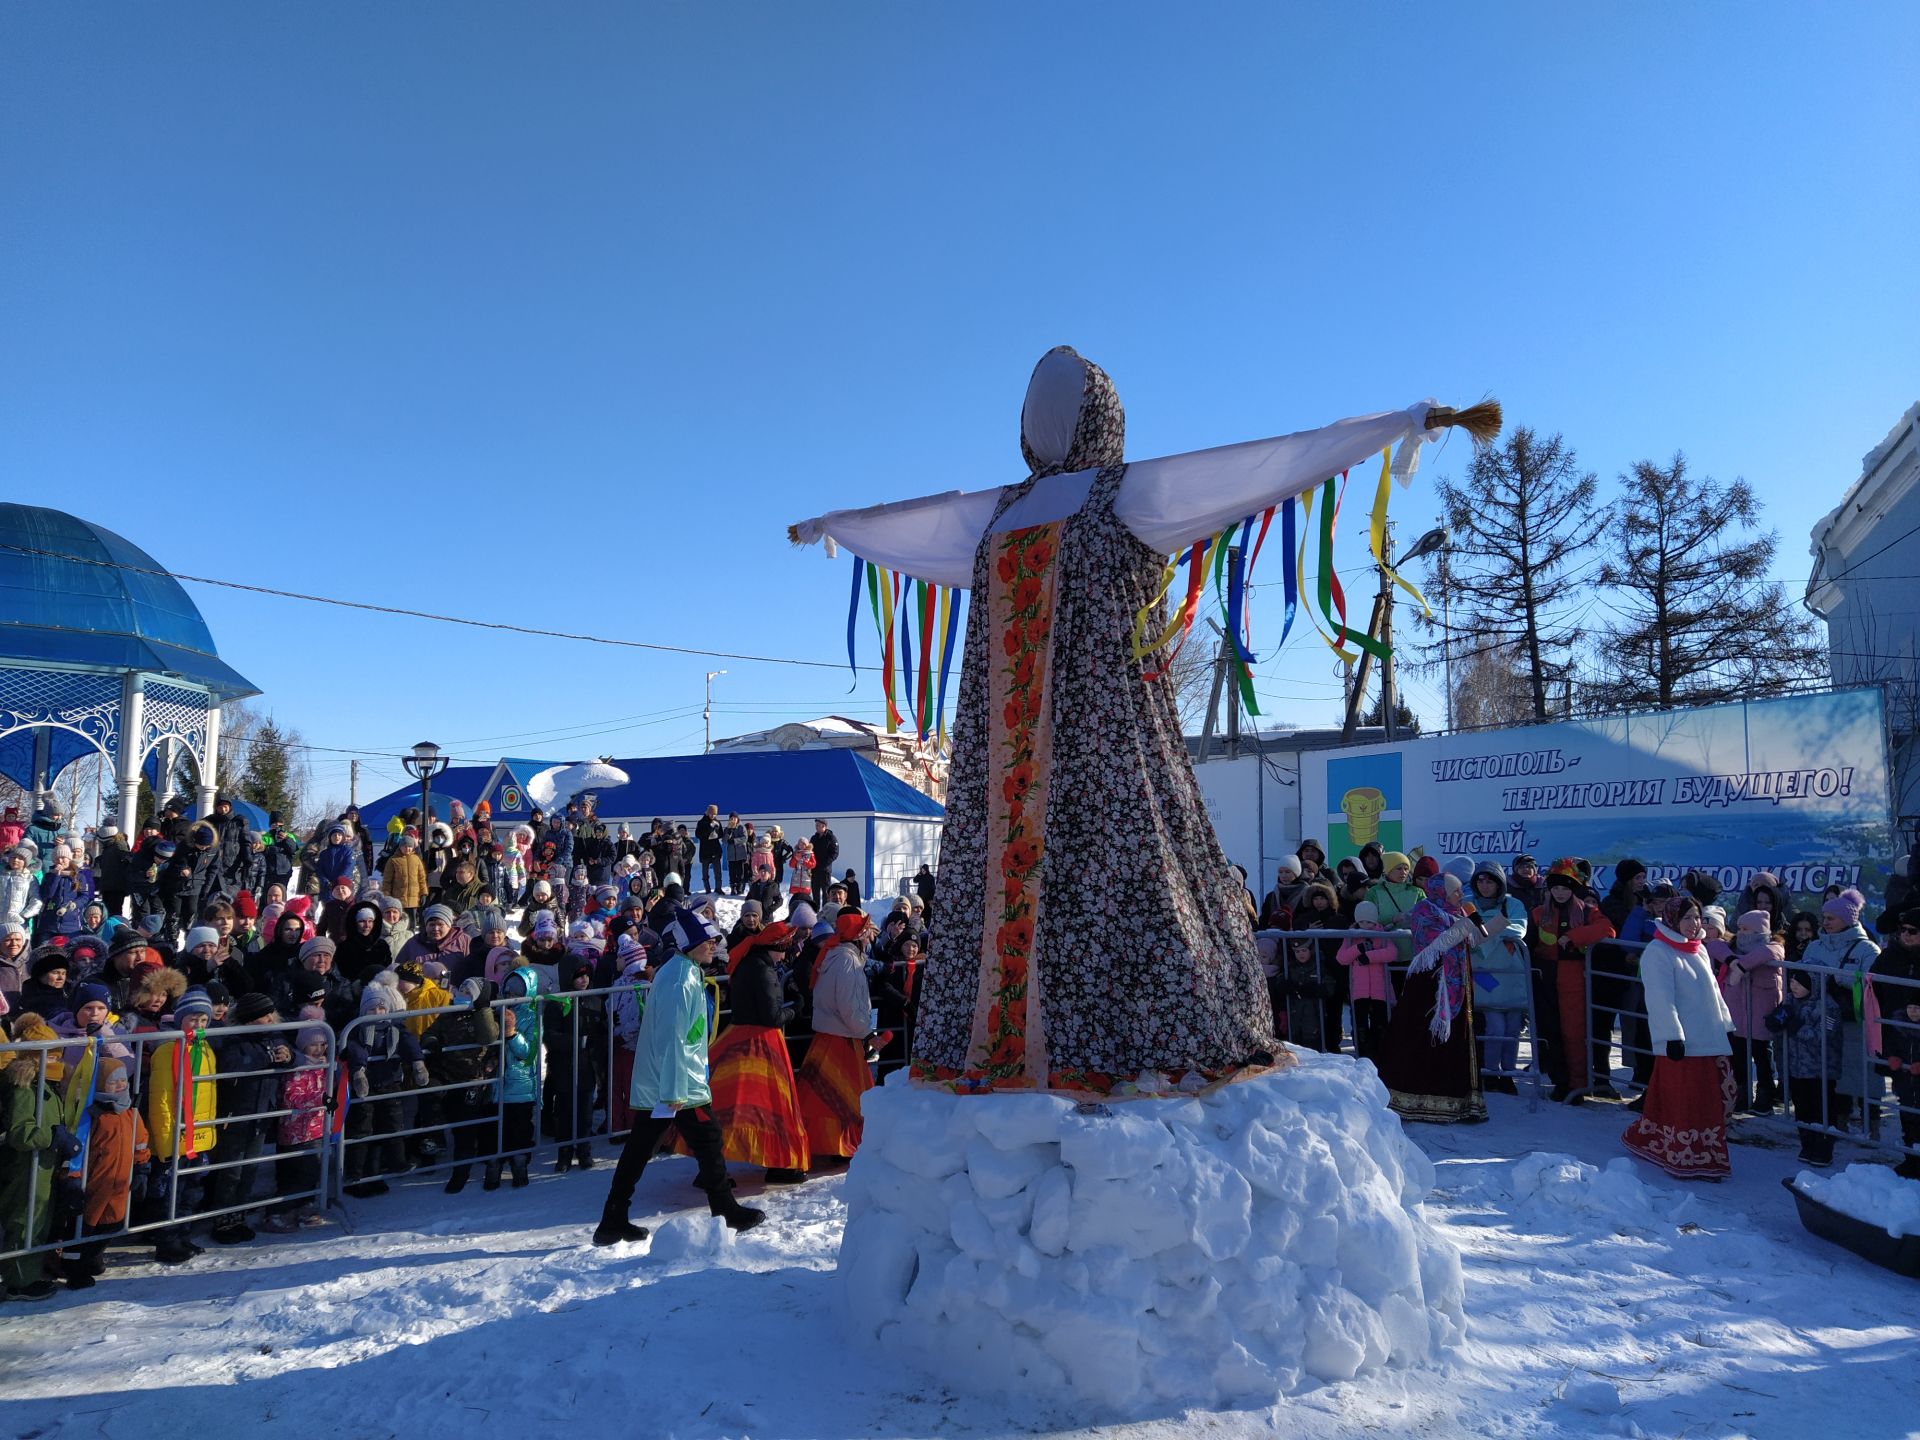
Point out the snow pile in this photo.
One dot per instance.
(1543, 1181)
(1872, 1193)
(1210, 1250)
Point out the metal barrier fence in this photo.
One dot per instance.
(1531, 1072)
(472, 1110)
(188, 1177)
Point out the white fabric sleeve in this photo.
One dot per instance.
(933, 538)
(1171, 502)
(1657, 983)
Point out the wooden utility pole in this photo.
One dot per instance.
(1213, 700)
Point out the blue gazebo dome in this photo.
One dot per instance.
(60, 611)
(102, 651)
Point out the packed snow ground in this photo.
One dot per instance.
(1599, 1300)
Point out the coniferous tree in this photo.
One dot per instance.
(268, 779)
(1696, 621)
(1522, 517)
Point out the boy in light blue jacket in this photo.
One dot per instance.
(670, 1086)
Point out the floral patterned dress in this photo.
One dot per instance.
(1064, 961)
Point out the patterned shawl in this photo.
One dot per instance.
(1443, 933)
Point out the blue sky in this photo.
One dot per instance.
(558, 315)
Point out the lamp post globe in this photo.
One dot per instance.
(423, 764)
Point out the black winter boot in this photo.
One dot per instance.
(491, 1179)
(563, 1162)
(457, 1178)
(738, 1217)
(583, 1156)
(617, 1230)
(520, 1177)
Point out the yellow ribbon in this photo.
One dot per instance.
(1377, 531)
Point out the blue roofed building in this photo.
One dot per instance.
(886, 828)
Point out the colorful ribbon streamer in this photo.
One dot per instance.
(1377, 531)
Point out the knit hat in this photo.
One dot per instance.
(1846, 906)
(306, 989)
(1391, 860)
(252, 1007)
(470, 989)
(245, 906)
(1288, 862)
(49, 957)
(627, 949)
(218, 994)
(542, 889)
(92, 993)
(1715, 917)
(545, 927)
(491, 919)
(1758, 920)
(690, 929)
(202, 935)
(801, 913)
(411, 972)
(313, 1035)
(319, 945)
(437, 912)
(381, 997)
(752, 907)
(1366, 913)
(194, 1002)
(166, 849)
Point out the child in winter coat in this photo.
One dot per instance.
(1750, 983)
(381, 1059)
(1301, 989)
(625, 1007)
(520, 1074)
(1500, 974)
(182, 1105)
(571, 1029)
(303, 1093)
(117, 1161)
(578, 892)
(19, 892)
(1372, 991)
(1809, 1025)
(38, 1114)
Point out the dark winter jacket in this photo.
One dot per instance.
(755, 995)
(335, 861)
(464, 1046)
(826, 850)
(386, 1050)
(236, 1057)
(1811, 1035)
(280, 853)
(113, 866)
(1899, 1037)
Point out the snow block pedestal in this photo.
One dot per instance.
(1196, 1250)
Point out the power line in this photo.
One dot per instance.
(429, 615)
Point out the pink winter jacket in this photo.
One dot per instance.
(1369, 977)
(1753, 988)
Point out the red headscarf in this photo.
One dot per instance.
(771, 937)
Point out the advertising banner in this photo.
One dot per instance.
(1795, 784)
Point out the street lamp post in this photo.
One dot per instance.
(423, 764)
(706, 715)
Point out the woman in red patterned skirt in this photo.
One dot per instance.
(755, 1098)
(1683, 1126)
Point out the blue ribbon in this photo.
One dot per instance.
(853, 613)
(1237, 593)
(1292, 552)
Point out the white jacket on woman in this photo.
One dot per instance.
(840, 996)
(1683, 998)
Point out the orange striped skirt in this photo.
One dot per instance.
(754, 1099)
(833, 1077)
